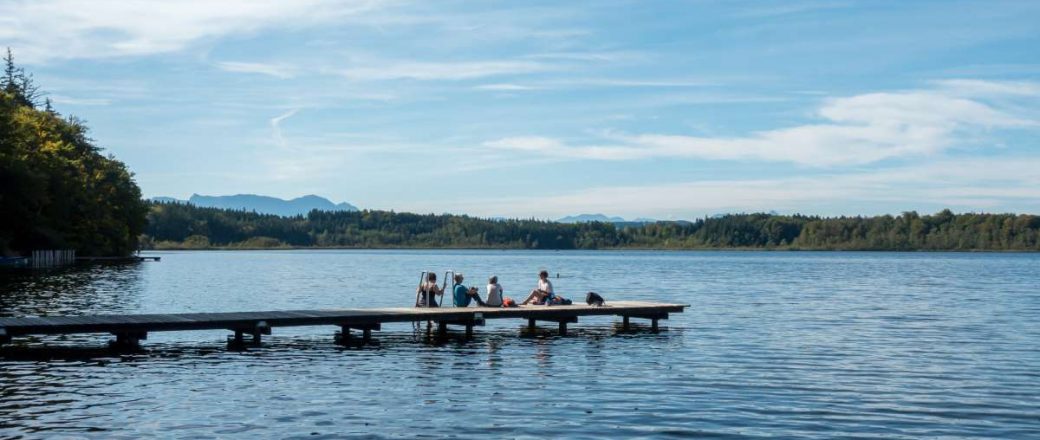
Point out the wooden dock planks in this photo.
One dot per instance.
(347, 318)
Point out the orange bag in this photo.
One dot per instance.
(508, 302)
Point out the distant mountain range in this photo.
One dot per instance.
(263, 204)
(305, 204)
(586, 218)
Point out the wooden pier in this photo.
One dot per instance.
(129, 259)
(131, 329)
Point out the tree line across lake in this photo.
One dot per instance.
(58, 191)
(185, 226)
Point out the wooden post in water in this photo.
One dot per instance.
(52, 257)
(344, 335)
(129, 340)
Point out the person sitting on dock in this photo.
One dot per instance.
(544, 293)
(428, 291)
(464, 295)
(494, 292)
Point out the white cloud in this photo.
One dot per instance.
(974, 87)
(380, 70)
(275, 70)
(856, 130)
(964, 184)
(505, 87)
(585, 83)
(39, 30)
(62, 99)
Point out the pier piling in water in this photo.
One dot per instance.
(52, 258)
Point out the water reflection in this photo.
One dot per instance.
(73, 290)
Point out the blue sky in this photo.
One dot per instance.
(543, 109)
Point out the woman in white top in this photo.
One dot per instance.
(494, 293)
(544, 293)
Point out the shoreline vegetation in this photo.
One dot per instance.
(58, 191)
(178, 226)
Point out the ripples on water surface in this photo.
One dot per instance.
(822, 345)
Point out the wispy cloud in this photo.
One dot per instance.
(275, 70)
(975, 87)
(588, 83)
(974, 184)
(791, 7)
(66, 29)
(857, 130)
(505, 87)
(276, 127)
(388, 70)
(62, 99)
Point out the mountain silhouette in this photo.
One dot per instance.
(264, 204)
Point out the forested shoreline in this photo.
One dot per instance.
(57, 189)
(60, 192)
(184, 226)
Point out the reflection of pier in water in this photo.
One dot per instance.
(131, 329)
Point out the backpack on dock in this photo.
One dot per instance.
(593, 299)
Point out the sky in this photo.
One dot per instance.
(659, 109)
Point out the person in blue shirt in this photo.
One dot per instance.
(464, 295)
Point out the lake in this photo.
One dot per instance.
(775, 344)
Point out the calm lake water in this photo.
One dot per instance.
(775, 344)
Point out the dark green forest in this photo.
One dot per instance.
(57, 189)
(184, 226)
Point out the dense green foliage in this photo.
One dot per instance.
(186, 226)
(57, 191)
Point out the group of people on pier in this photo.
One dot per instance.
(428, 291)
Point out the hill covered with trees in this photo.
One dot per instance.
(173, 225)
(57, 190)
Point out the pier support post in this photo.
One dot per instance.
(654, 320)
(128, 340)
(259, 330)
(467, 322)
(344, 337)
(256, 333)
(561, 321)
